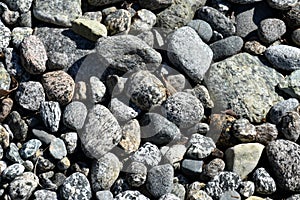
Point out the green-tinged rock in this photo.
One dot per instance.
(245, 85)
(4, 78)
(243, 158)
(291, 84)
(90, 29)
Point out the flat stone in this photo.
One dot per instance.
(58, 148)
(89, 29)
(264, 183)
(271, 29)
(200, 146)
(198, 195)
(291, 84)
(45, 195)
(284, 57)
(188, 53)
(202, 28)
(57, 12)
(147, 154)
(284, 159)
(74, 115)
(118, 22)
(12, 171)
(76, 187)
(105, 172)
(282, 4)
(281, 108)
(243, 158)
(254, 47)
(235, 84)
(160, 180)
(121, 111)
(174, 155)
(30, 148)
(129, 194)
(131, 136)
(43, 136)
(192, 167)
(101, 120)
(50, 112)
(290, 126)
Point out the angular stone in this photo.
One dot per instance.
(266, 133)
(235, 83)
(213, 168)
(129, 194)
(247, 188)
(102, 2)
(45, 195)
(155, 4)
(5, 36)
(5, 79)
(200, 147)
(244, 130)
(118, 22)
(19, 33)
(12, 171)
(291, 84)
(17, 125)
(169, 196)
(136, 174)
(142, 21)
(292, 17)
(264, 183)
(70, 140)
(281, 108)
(51, 113)
(192, 167)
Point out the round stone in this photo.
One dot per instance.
(131, 136)
(30, 95)
(264, 183)
(271, 29)
(104, 194)
(13, 171)
(74, 115)
(136, 174)
(50, 113)
(290, 126)
(281, 108)
(57, 148)
(183, 109)
(202, 28)
(296, 36)
(30, 148)
(59, 86)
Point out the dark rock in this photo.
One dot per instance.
(17, 125)
(271, 29)
(281, 108)
(202, 28)
(290, 126)
(264, 183)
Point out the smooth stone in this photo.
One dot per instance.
(230, 195)
(147, 154)
(281, 108)
(98, 89)
(264, 183)
(50, 112)
(57, 148)
(271, 29)
(243, 158)
(105, 194)
(43, 136)
(74, 115)
(284, 57)
(188, 53)
(174, 155)
(30, 148)
(202, 28)
(192, 167)
(233, 84)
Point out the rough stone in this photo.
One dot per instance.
(131, 136)
(282, 4)
(292, 17)
(200, 146)
(142, 21)
(271, 29)
(174, 155)
(118, 22)
(105, 194)
(155, 4)
(136, 174)
(70, 140)
(5, 36)
(121, 111)
(45, 195)
(244, 1)
(230, 195)
(74, 115)
(129, 194)
(169, 196)
(50, 113)
(30, 148)
(12, 171)
(266, 133)
(290, 126)
(17, 125)
(281, 108)
(19, 33)
(147, 154)
(264, 183)
(102, 2)
(213, 168)
(247, 188)
(202, 28)
(291, 84)
(296, 36)
(244, 130)
(13, 154)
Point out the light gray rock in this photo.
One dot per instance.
(247, 188)
(230, 195)
(121, 111)
(5, 78)
(136, 174)
(57, 148)
(19, 33)
(244, 1)
(169, 196)
(147, 154)
(296, 36)
(192, 167)
(5, 36)
(130, 194)
(43, 136)
(50, 112)
(142, 21)
(70, 139)
(45, 195)
(291, 84)
(118, 22)
(102, 2)
(175, 155)
(131, 136)
(188, 53)
(13, 155)
(74, 115)
(202, 28)
(271, 29)
(105, 194)
(12, 171)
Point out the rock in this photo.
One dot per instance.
(13, 154)
(23, 186)
(1, 152)
(284, 158)
(200, 147)
(102, 2)
(33, 55)
(187, 52)
(4, 137)
(57, 12)
(43, 136)
(94, 15)
(244, 1)
(5, 36)
(50, 113)
(155, 4)
(70, 139)
(131, 53)
(59, 86)
(226, 47)
(105, 194)
(157, 129)
(121, 111)
(271, 29)
(45, 195)
(29, 166)
(292, 17)
(294, 197)
(281, 108)
(192, 167)
(217, 20)
(17, 125)
(57, 148)
(30, 148)
(296, 36)
(290, 126)
(291, 84)
(89, 29)
(200, 128)
(247, 188)
(74, 115)
(100, 120)
(266, 133)
(30, 95)
(3, 166)
(12, 171)
(5, 78)
(243, 158)
(264, 183)
(9, 17)
(44, 165)
(198, 195)
(120, 186)
(147, 154)
(183, 109)
(202, 28)
(145, 90)
(213, 168)
(169, 196)
(19, 33)
(160, 180)
(131, 136)
(5, 108)
(244, 130)
(118, 22)
(76, 187)
(136, 174)
(230, 195)
(19, 5)
(254, 47)
(255, 198)
(105, 172)
(284, 57)
(282, 4)
(240, 93)
(98, 89)
(142, 21)
(129, 194)
(13, 63)
(63, 164)
(174, 155)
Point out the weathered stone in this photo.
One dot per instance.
(74, 115)
(129, 194)
(118, 22)
(121, 111)
(131, 136)
(102, 2)
(282, 4)
(5, 79)
(155, 4)
(147, 154)
(30, 148)
(247, 188)
(290, 126)
(254, 47)
(291, 84)
(244, 130)
(45, 195)
(200, 147)
(264, 183)
(202, 28)
(281, 108)
(57, 148)
(17, 125)
(12, 171)
(266, 133)
(271, 29)
(51, 113)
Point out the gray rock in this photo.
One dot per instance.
(131, 136)
(169, 196)
(202, 28)
(23, 186)
(12, 171)
(142, 21)
(282, 4)
(136, 174)
(118, 22)
(200, 147)
(5, 36)
(284, 159)
(93, 15)
(57, 12)
(19, 5)
(247, 188)
(13, 63)
(76, 187)
(233, 84)
(264, 183)
(5, 78)
(192, 167)
(254, 47)
(178, 190)
(155, 4)
(30, 148)
(131, 53)
(3, 166)
(271, 29)
(105, 194)
(147, 154)
(119, 186)
(281, 108)
(213, 168)
(157, 129)
(74, 115)
(102, 2)
(105, 172)
(29, 166)
(98, 89)
(266, 133)
(5, 136)
(13, 155)
(129, 194)
(44, 165)
(244, 130)
(187, 52)
(43, 136)
(292, 18)
(291, 84)
(17, 125)
(226, 47)
(9, 17)
(45, 195)
(243, 158)
(290, 126)
(1, 152)
(50, 113)
(201, 128)
(19, 33)
(284, 57)
(230, 195)
(174, 155)
(197, 195)
(145, 90)
(183, 109)
(100, 120)
(70, 140)
(244, 1)
(57, 148)
(121, 111)
(294, 197)
(217, 20)
(296, 36)
(30, 95)
(160, 180)
(25, 19)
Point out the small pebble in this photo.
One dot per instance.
(213, 168)
(63, 164)
(19, 33)
(30, 148)
(142, 21)
(230, 195)
(50, 112)
(13, 154)
(264, 183)
(13, 171)
(5, 36)
(57, 148)
(121, 111)
(169, 196)
(43, 136)
(254, 47)
(104, 194)
(129, 194)
(118, 22)
(131, 136)
(147, 154)
(191, 167)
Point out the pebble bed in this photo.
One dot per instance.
(149, 99)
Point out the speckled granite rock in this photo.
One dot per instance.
(291, 84)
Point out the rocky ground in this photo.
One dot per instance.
(149, 99)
